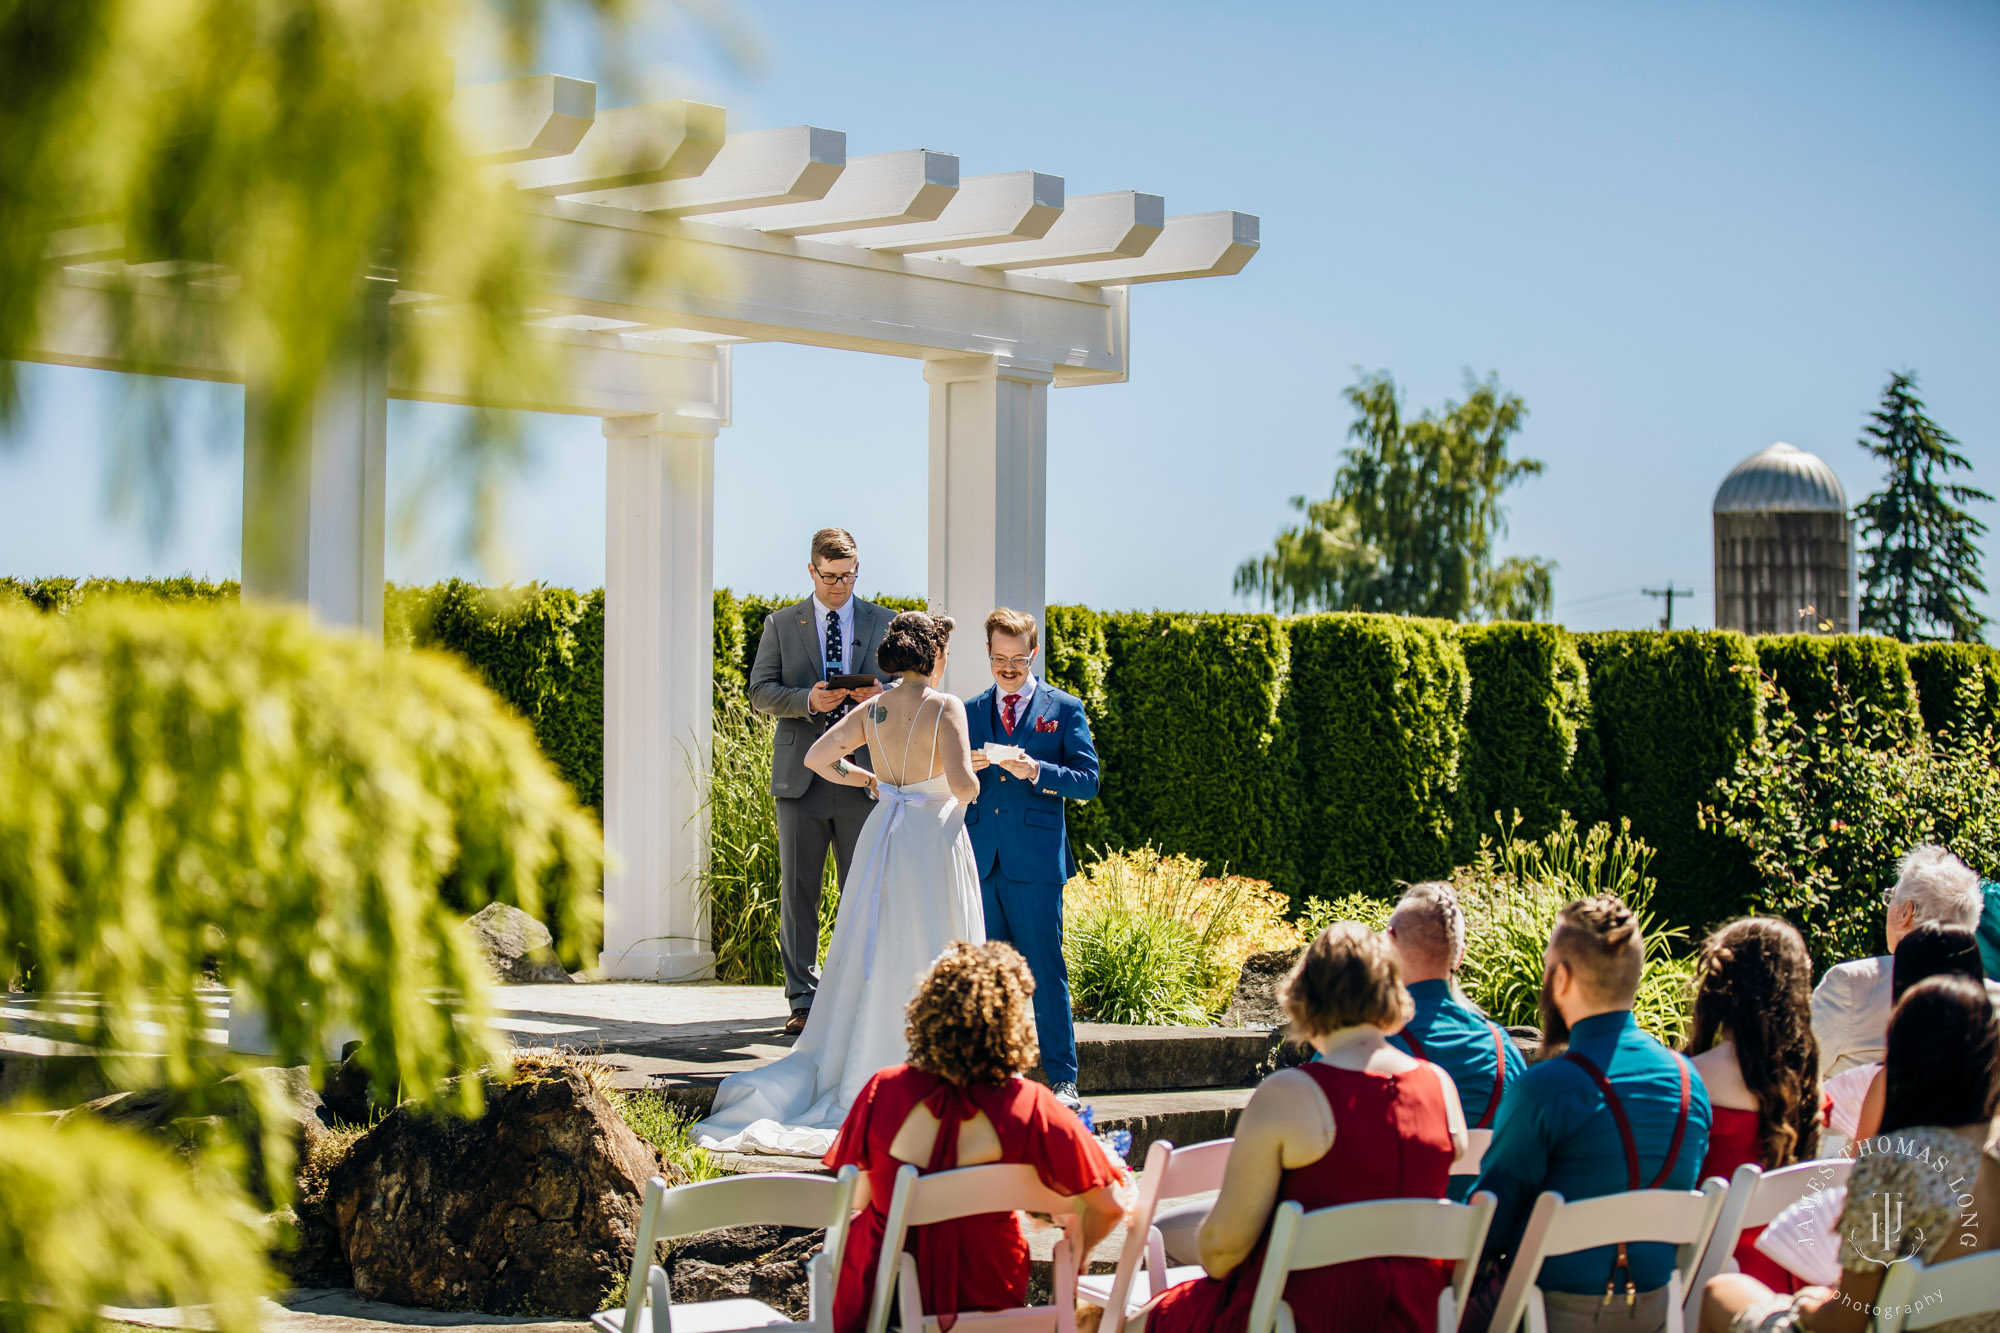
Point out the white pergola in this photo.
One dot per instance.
(1000, 285)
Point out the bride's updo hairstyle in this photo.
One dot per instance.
(915, 642)
(972, 1019)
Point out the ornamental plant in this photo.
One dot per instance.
(227, 791)
(1826, 804)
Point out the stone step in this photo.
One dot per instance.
(1115, 1058)
(1182, 1116)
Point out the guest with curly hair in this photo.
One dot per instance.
(1752, 1044)
(961, 1101)
(1365, 1121)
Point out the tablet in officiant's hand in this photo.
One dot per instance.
(851, 682)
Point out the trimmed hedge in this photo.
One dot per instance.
(1529, 745)
(1874, 671)
(1378, 705)
(1958, 686)
(1674, 711)
(1329, 754)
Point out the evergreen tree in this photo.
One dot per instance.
(1414, 516)
(1919, 557)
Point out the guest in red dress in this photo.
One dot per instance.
(1752, 1043)
(960, 1101)
(1365, 1121)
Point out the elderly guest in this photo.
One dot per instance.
(961, 1101)
(1365, 1121)
(1910, 1192)
(1850, 1006)
(1428, 932)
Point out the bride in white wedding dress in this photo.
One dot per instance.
(915, 889)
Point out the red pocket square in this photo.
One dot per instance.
(1045, 724)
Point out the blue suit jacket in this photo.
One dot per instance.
(1016, 825)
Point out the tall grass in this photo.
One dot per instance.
(739, 886)
(1154, 939)
(1511, 894)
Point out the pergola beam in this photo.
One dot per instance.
(632, 145)
(987, 210)
(1120, 225)
(1195, 245)
(519, 120)
(759, 169)
(879, 190)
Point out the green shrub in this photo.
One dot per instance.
(1202, 763)
(1514, 889)
(1873, 670)
(1529, 748)
(1674, 712)
(1825, 805)
(665, 1126)
(1377, 707)
(1076, 658)
(61, 595)
(1135, 967)
(1319, 913)
(227, 783)
(1958, 686)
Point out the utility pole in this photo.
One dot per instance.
(1669, 592)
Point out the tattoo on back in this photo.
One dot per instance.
(880, 713)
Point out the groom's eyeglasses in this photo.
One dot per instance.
(835, 580)
(1011, 663)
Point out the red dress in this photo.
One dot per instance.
(1732, 1141)
(972, 1263)
(1391, 1140)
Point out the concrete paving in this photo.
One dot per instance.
(339, 1310)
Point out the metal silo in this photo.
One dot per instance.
(1783, 542)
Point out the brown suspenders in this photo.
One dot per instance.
(1499, 1068)
(1617, 1109)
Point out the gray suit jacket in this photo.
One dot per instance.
(1850, 1012)
(787, 665)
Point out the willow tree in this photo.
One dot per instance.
(227, 788)
(1414, 520)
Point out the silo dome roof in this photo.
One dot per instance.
(1783, 478)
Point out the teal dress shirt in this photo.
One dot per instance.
(1988, 933)
(1554, 1132)
(1458, 1039)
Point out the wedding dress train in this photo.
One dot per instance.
(915, 890)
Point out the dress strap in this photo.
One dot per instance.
(936, 723)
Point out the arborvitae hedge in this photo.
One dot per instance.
(1378, 706)
(1674, 711)
(1329, 753)
(1529, 746)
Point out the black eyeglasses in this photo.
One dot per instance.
(835, 580)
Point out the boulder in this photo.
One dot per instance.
(532, 1208)
(768, 1264)
(1255, 1002)
(517, 947)
(191, 1119)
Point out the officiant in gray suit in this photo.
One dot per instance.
(830, 634)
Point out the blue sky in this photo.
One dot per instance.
(1680, 232)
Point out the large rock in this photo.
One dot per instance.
(532, 1208)
(517, 947)
(1255, 1002)
(768, 1264)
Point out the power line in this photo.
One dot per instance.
(1669, 592)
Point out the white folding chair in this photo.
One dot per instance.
(1171, 1173)
(1917, 1295)
(1467, 1162)
(1755, 1197)
(921, 1201)
(1682, 1218)
(1380, 1229)
(776, 1199)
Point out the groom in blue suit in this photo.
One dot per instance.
(1019, 836)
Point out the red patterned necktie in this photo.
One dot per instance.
(1008, 705)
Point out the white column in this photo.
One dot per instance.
(313, 515)
(989, 498)
(659, 617)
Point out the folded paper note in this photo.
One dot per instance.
(996, 753)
